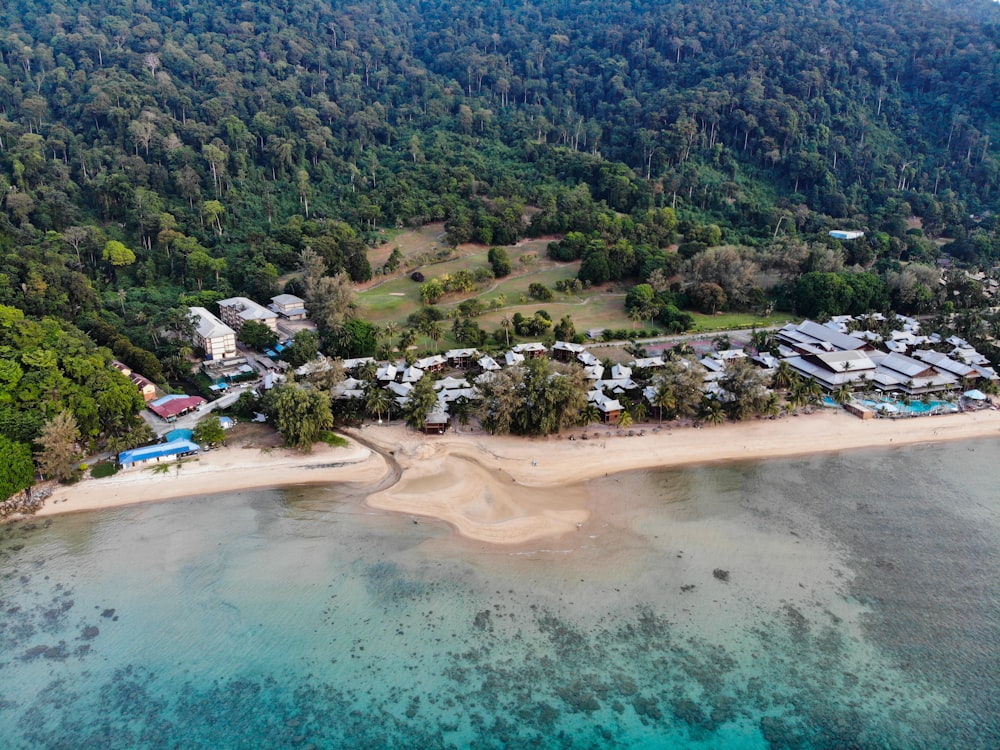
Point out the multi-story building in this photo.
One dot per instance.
(236, 311)
(211, 334)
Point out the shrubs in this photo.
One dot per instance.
(103, 469)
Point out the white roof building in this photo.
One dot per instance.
(211, 334)
(236, 311)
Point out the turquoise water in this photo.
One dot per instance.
(831, 602)
(915, 407)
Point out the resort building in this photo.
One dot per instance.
(145, 386)
(212, 335)
(289, 307)
(172, 451)
(808, 337)
(833, 369)
(236, 311)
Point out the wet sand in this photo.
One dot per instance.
(509, 490)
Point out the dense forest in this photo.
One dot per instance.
(159, 154)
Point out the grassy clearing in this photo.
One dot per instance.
(727, 321)
(396, 298)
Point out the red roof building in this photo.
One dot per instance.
(171, 407)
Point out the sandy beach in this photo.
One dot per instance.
(509, 490)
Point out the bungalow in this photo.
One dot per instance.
(531, 350)
(174, 450)
(620, 372)
(610, 408)
(433, 363)
(412, 374)
(565, 351)
(436, 422)
(350, 365)
(449, 383)
(488, 364)
(386, 373)
(648, 363)
(349, 388)
(512, 358)
(461, 358)
(587, 359)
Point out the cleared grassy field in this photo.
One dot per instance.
(727, 321)
(395, 298)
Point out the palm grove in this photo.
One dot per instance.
(155, 156)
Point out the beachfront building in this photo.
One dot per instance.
(834, 369)
(214, 337)
(610, 408)
(436, 422)
(161, 452)
(289, 307)
(145, 385)
(236, 311)
(897, 372)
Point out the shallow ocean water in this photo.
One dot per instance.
(832, 602)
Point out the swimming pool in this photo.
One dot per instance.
(914, 407)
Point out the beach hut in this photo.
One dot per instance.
(975, 395)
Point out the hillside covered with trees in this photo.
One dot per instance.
(157, 155)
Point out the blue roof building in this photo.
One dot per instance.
(173, 449)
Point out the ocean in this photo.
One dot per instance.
(838, 601)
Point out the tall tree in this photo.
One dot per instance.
(57, 442)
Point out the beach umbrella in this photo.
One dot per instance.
(975, 395)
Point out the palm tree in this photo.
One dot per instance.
(813, 391)
(639, 410)
(710, 409)
(797, 395)
(407, 339)
(843, 393)
(625, 420)
(367, 372)
(784, 375)
(664, 398)
(589, 414)
(506, 324)
(635, 315)
(772, 406)
(377, 400)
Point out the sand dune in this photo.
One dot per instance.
(509, 490)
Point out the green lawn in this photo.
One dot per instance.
(727, 321)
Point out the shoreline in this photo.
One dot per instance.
(487, 487)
